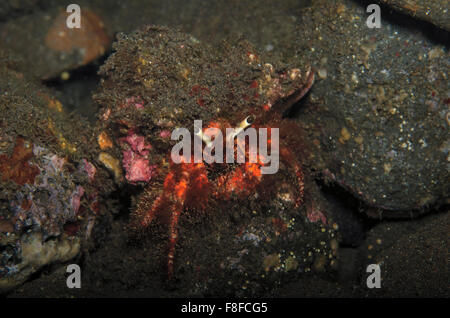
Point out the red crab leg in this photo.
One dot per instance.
(173, 238)
(190, 190)
(150, 215)
(186, 185)
(289, 157)
(171, 201)
(180, 190)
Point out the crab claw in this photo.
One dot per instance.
(297, 93)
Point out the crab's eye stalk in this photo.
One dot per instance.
(246, 122)
(206, 139)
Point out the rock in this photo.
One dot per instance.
(413, 257)
(49, 185)
(435, 12)
(91, 38)
(36, 253)
(48, 47)
(12, 8)
(380, 115)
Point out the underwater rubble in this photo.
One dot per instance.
(51, 191)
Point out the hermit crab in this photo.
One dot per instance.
(159, 81)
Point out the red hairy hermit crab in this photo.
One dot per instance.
(159, 80)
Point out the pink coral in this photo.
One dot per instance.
(90, 169)
(165, 133)
(75, 201)
(137, 167)
(135, 163)
(137, 143)
(315, 215)
(134, 101)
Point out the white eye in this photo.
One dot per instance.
(206, 139)
(249, 120)
(197, 131)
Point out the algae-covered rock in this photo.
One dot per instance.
(435, 12)
(49, 185)
(381, 106)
